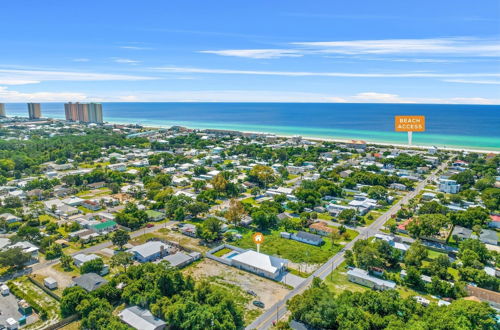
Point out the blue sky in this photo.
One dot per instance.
(445, 51)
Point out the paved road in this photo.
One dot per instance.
(278, 310)
(101, 246)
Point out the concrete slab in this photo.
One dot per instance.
(291, 279)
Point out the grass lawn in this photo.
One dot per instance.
(289, 249)
(222, 252)
(46, 217)
(352, 234)
(298, 273)
(73, 272)
(84, 209)
(374, 214)
(324, 216)
(249, 200)
(337, 282)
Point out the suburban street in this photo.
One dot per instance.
(276, 312)
(102, 245)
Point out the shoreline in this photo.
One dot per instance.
(313, 138)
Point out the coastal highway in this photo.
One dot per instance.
(278, 310)
(101, 246)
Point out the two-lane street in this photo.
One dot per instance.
(278, 310)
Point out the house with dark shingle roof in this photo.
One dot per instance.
(307, 238)
(89, 281)
(460, 233)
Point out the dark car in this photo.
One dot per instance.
(251, 292)
(259, 304)
(149, 225)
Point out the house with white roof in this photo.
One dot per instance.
(141, 319)
(260, 264)
(150, 251)
(10, 218)
(361, 276)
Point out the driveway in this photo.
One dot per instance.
(291, 279)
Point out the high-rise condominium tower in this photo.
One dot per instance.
(84, 112)
(34, 110)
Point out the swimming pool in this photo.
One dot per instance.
(232, 255)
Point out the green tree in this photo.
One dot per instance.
(124, 259)
(92, 266)
(415, 254)
(235, 212)
(120, 237)
(14, 257)
(66, 262)
(72, 297)
(210, 229)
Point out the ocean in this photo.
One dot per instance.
(471, 126)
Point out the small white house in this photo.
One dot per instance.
(50, 283)
(4, 289)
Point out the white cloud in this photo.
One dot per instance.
(135, 48)
(324, 74)
(7, 95)
(378, 97)
(255, 53)
(21, 76)
(126, 61)
(81, 60)
(7, 81)
(450, 46)
(480, 82)
(374, 97)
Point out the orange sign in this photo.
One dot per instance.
(409, 123)
(258, 238)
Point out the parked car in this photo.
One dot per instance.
(251, 292)
(258, 303)
(149, 225)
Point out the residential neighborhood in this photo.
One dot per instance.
(125, 204)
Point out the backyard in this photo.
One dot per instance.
(294, 251)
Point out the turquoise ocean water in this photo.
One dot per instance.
(472, 126)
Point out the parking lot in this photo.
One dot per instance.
(9, 308)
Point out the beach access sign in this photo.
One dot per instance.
(409, 123)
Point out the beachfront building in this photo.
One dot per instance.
(34, 110)
(83, 112)
(2, 110)
(260, 264)
(361, 276)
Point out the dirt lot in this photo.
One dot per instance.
(267, 291)
(63, 278)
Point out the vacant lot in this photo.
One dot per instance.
(269, 292)
(63, 278)
(173, 236)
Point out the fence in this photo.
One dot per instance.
(210, 254)
(63, 322)
(45, 289)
